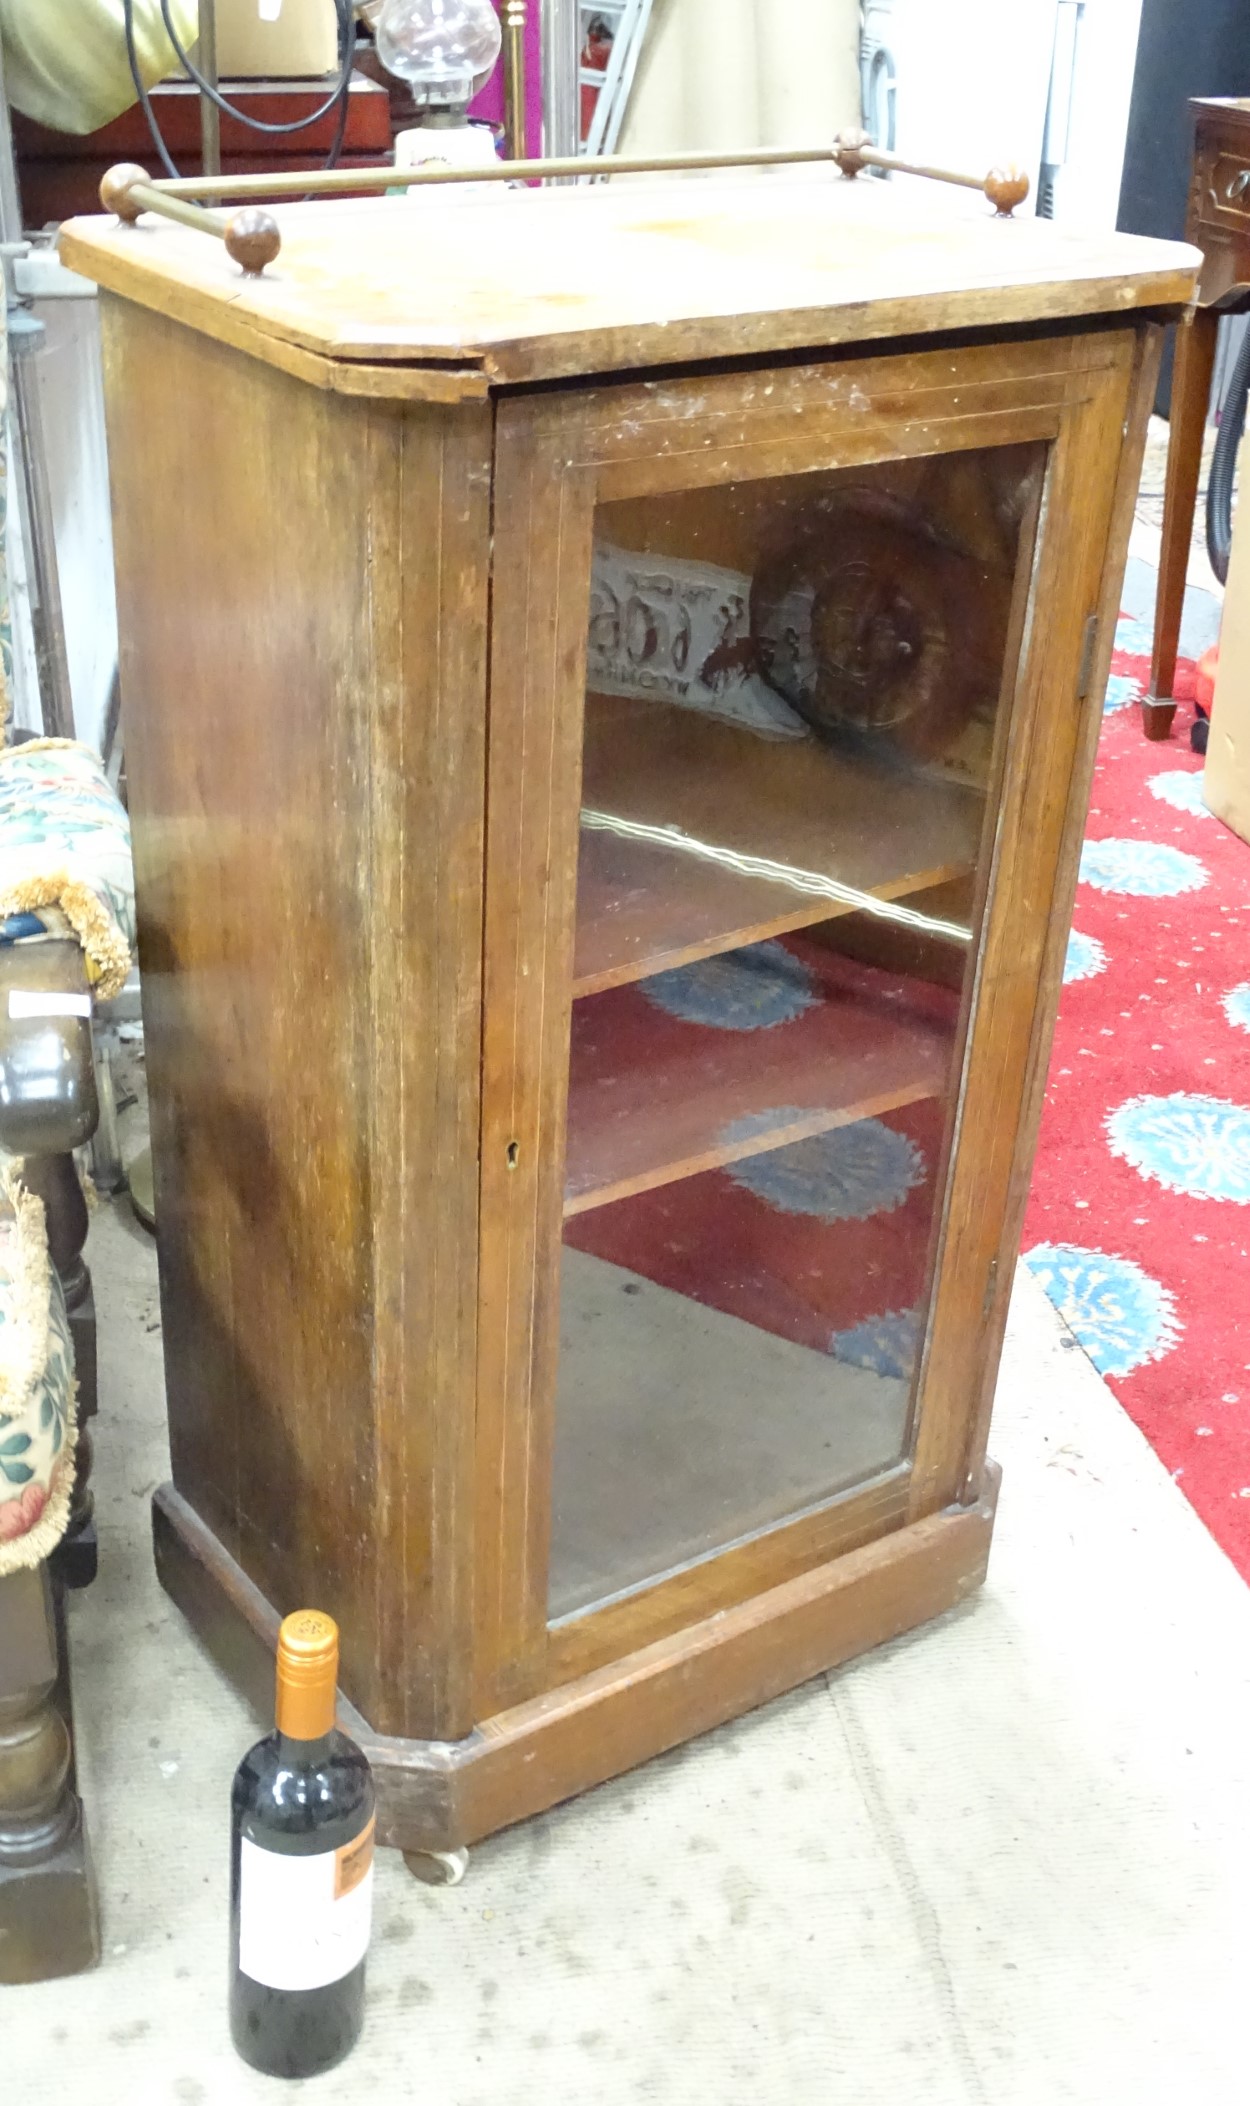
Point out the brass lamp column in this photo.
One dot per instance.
(514, 13)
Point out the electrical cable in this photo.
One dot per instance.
(343, 10)
(1224, 461)
(132, 55)
(347, 24)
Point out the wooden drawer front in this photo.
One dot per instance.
(1221, 192)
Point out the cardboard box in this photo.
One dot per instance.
(276, 39)
(1226, 773)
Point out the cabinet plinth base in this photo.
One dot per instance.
(444, 1795)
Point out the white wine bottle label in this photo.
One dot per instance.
(304, 1921)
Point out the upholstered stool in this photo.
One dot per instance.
(65, 857)
(48, 1918)
(66, 935)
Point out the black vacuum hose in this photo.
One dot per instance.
(1224, 461)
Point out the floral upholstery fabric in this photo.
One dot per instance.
(65, 856)
(37, 1397)
(64, 871)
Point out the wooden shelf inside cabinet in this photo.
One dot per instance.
(654, 1096)
(643, 906)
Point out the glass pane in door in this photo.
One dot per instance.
(793, 703)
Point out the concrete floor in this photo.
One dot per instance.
(1005, 1862)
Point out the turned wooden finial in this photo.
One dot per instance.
(253, 239)
(847, 152)
(1006, 188)
(115, 190)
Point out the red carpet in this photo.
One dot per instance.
(1139, 1217)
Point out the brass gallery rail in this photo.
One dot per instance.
(253, 237)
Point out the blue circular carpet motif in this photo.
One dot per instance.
(1182, 789)
(1144, 869)
(1122, 690)
(846, 1175)
(1115, 1311)
(1196, 1145)
(748, 990)
(1237, 1006)
(1133, 635)
(1085, 958)
(885, 1345)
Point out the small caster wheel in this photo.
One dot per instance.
(437, 1868)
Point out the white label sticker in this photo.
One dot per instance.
(33, 1003)
(270, 10)
(304, 1921)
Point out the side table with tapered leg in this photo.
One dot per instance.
(1191, 390)
(1217, 221)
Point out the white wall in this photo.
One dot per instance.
(24, 700)
(972, 79)
(718, 74)
(1088, 190)
(72, 405)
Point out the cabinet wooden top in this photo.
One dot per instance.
(439, 296)
(1208, 106)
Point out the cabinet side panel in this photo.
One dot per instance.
(283, 860)
(429, 800)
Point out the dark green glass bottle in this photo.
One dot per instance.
(301, 1870)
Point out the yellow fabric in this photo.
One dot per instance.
(719, 74)
(65, 60)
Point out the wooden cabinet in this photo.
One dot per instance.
(611, 680)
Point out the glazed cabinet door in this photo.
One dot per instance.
(794, 685)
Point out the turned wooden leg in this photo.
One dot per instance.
(49, 1922)
(1191, 394)
(55, 1180)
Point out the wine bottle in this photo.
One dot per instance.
(301, 1870)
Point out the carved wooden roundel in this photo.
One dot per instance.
(873, 630)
